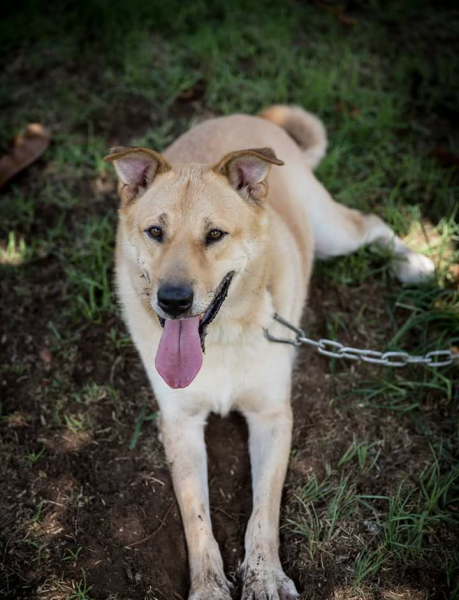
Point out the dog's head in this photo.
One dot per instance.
(189, 231)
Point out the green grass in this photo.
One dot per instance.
(72, 556)
(144, 417)
(324, 506)
(364, 453)
(33, 456)
(92, 393)
(37, 516)
(88, 268)
(75, 425)
(81, 589)
(368, 564)
(105, 73)
(401, 525)
(415, 513)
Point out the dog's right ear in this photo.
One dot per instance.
(136, 168)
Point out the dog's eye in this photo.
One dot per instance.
(214, 235)
(156, 233)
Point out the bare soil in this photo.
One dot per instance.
(78, 501)
(117, 504)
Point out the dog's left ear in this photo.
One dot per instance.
(247, 171)
(136, 168)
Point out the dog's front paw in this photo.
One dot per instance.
(413, 268)
(267, 582)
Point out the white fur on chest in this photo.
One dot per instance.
(243, 375)
(241, 368)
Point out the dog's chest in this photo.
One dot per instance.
(247, 376)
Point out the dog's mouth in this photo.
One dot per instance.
(180, 351)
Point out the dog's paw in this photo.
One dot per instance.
(413, 268)
(265, 582)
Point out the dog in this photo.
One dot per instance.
(215, 236)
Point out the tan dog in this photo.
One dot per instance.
(206, 254)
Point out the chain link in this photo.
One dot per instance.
(334, 349)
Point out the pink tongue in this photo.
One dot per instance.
(179, 356)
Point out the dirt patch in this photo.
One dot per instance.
(113, 508)
(86, 500)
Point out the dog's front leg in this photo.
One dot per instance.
(270, 438)
(183, 439)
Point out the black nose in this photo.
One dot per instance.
(175, 299)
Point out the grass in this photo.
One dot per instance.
(367, 564)
(382, 507)
(15, 250)
(81, 589)
(34, 457)
(89, 269)
(400, 526)
(364, 453)
(74, 424)
(37, 515)
(144, 417)
(326, 505)
(72, 556)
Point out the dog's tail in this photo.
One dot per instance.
(305, 128)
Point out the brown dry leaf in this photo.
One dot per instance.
(194, 92)
(186, 95)
(26, 149)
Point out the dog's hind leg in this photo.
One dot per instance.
(270, 438)
(339, 230)
(183, 439)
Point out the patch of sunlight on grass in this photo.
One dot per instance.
(14, 252)
(440, 242)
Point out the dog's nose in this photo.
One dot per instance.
(175, 299)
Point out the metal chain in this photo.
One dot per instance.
(333, 349)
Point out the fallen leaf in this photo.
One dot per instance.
(26, 149)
